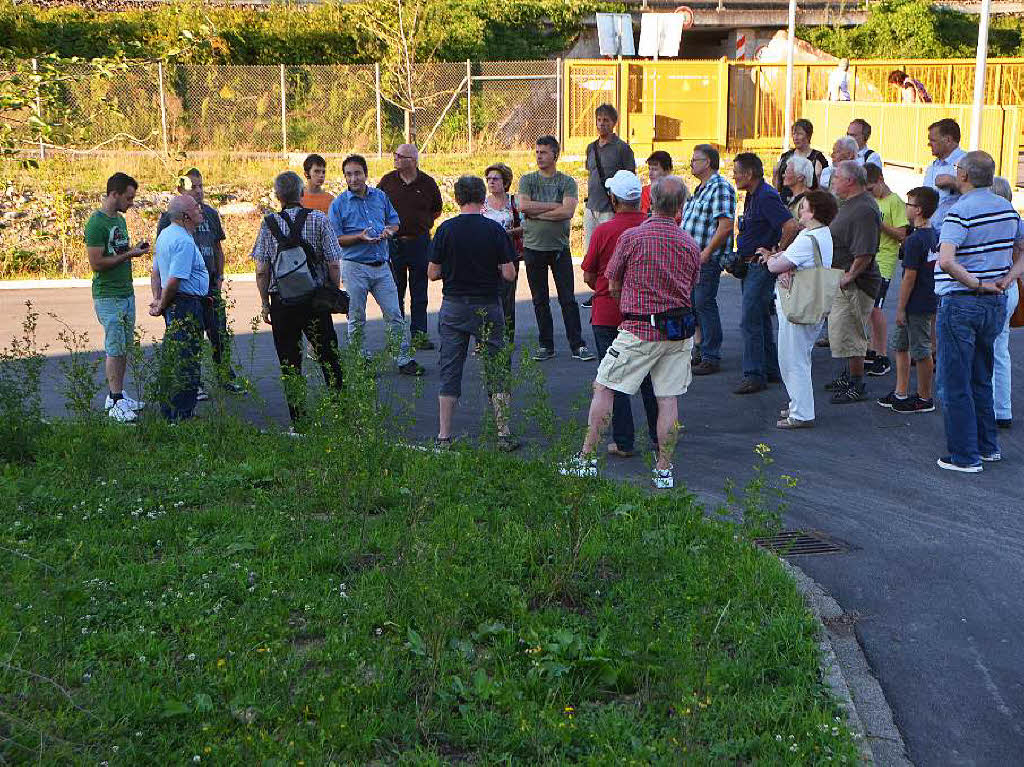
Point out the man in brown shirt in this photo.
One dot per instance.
(417, 200)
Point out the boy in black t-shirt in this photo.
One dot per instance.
(915, 313)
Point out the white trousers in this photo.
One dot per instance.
(796, 342)
(1001, 368)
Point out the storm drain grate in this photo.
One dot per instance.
(798, 543)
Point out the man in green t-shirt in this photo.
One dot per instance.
(894, 232)
(547, 201)
(110, 254)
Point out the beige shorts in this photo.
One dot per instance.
(851, 310)
(629, 360)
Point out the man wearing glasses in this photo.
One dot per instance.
(708, 218)
(418, 201)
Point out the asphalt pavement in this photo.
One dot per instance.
(935, 569)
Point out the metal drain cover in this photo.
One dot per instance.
(799, 543)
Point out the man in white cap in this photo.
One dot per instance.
(625, 192)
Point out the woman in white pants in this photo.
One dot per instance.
(796, 342)
(1001, 366)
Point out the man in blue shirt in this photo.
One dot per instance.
(766, 225)
(365, 220)
(976, 248)
(944, 141)
(180, 284)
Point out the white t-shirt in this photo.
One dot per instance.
(874, 159)
(801, 252)
(838, 88)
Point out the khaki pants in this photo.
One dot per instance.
(851, 310)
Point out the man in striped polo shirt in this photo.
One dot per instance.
(975, 265)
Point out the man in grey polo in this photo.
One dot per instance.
(606, 156)
(472, 255)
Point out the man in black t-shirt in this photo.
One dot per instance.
(472, 255)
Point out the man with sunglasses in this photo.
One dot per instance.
(418, 202)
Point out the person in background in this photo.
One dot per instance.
(860, 131)
(208, 235)
(894, 232)
(500, 206)
(1001, 368)
(315, 198)
(605, 317)
(658, 164)
(797, 178)
(110, 255)
(801, 135)
(944, 141)
(912, 91)
(605, 156)
(838, 82)
(796, 342)
(914, 334)
(844, 148)
(417, 199)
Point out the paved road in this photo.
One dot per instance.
(937, 566)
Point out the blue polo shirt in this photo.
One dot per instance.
(764, 213)
(983, 227)
(947, 198)
(351, 214)
(177, 255)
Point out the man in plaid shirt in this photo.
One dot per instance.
(653, 270)
(708, 218)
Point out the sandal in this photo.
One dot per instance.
(793, 423)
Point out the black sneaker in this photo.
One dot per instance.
(914, 404)
(841, 381)
(878, 366)
(1004, 423)
(889, 400)
(543, 353)
(412, 368)
(851, 393)
(583, 353)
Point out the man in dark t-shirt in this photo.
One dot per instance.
(472, 255)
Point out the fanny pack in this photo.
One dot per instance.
(677, 324)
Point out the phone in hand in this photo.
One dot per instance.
(144, 245)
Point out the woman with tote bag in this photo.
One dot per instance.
(807, 299)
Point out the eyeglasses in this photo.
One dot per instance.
(403, 156)
(913, 205)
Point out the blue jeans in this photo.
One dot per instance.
(967, 329)
(760, 354)
(183, 356)
(705, 305)
(361, 279)
(1001, 371)
(623, 431)
(215, 321)
(409, 267)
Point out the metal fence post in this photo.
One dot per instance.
(376, 81)
(469, 106)
(558, 101)
(163, 102)
(39, 110)
(284, 118)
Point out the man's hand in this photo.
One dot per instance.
(990, 287)
(154, 308)
(845, 281)
(139, 250)
(367, 236)
(265, 313)
(705, 256)
(901, 318)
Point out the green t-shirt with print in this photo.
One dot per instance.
(894, 213)
(110, 233)
(547, 235)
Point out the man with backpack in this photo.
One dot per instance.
(297, 253)
(364, 221)
(606, 156)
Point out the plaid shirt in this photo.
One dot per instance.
(714, 199)
(657, 264)
(316, 232)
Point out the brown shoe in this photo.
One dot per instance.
(749, 386)
(793, 423)
(613, 449)
(705, 368)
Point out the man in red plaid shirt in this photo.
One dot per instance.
(652, 271)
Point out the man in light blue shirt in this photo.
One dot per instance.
(364, 220)
(944, 141)
(975, 267)
(180, 284)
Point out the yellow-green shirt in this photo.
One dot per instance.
(894, 213)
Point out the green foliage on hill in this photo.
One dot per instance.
(916, 29)
(321, 34)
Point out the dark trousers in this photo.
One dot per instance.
(705, 306)
(182, 357)
(409, 267)
(623, 431)
(760, 352)
(508, 306)
(560, 262)
(461, 317)
(215, 321)
(288, 324)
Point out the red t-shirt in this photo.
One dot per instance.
(605, 309)
(645, 200)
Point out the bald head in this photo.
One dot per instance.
(407, 157)
(184, 210)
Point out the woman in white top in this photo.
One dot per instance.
(797, 178)
(796, 342)
(500, 206)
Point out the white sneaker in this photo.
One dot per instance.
(121, 413)
(131, 404)
(201, 395)
(662, 478)
(578, 466)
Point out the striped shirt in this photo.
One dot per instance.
(983, 227)
(316, 232)
(714, 199)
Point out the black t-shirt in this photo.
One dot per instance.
(470, 250)
(919, 253)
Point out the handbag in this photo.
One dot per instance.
(1017, 318)
(809, 296)
(328, 298)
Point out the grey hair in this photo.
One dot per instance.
(849, 144)
(1001, 187)
(668, 195)
(854, 171)
(176, 208)
(289, 187)
(470, 190)
(979, 167)
(802, 167)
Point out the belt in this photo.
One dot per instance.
(369, 263)
(972, 293)
(651, 319)
(409, 236)
(474, 300)
(187, 295)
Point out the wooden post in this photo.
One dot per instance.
(284, 118)
(163, 103)
(558, 102)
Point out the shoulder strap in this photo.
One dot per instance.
(516, 220)
(817, 250)
(275, 229)
(593, 146)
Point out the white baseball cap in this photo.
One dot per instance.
(625, 185)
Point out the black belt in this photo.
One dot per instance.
(650, 319)
(187, 295)
(974, 293)
(370, 263)
(474, 300)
